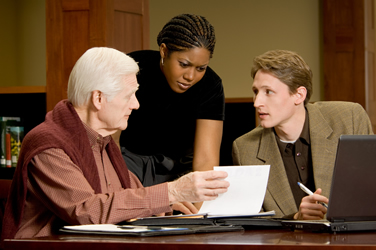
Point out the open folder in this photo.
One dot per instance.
(125, 230)
(135, 230)
(239, 206)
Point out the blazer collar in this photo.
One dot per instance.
(322, 147)
(278, 182)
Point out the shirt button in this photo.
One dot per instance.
(298, 154)
(302, 168)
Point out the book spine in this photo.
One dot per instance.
(2, 143)
(16, 136)
(8, 152)
(5, 139)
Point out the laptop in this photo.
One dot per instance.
(352, 200)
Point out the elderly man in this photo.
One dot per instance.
(298, 139)
(70, 170)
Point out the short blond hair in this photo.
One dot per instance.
(288, 67)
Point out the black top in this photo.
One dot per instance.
(165, 122)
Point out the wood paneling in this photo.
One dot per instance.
(22, 89)
(54, 52)
(344, 42)
(239, 100)
(73, 26)
(349, 53)
(370, 61)
(129, 20)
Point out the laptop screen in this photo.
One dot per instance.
(353, 190)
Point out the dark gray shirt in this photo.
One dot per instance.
(298, 162)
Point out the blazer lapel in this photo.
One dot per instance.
(323, 149)
(278, 186)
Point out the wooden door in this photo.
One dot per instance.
(370, 59)
(73, 26)
(349, 53)
(344, 43)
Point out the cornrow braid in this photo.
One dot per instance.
(187, 31)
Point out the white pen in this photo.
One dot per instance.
(309, 192)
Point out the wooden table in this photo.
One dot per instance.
(248, 239)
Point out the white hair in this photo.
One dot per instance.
(100, 69)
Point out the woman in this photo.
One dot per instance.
(181, 104)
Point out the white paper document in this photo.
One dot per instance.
(245, 194)
(123, 229)
(105, 228)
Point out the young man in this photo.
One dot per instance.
(298, 139)
(70, 170)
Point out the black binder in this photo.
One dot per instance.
(128, 230)
(249, 222)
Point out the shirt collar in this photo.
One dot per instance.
(95, 138)
(305, 132)
(304, 135)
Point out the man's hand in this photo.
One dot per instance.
(310, 208)
(198, 186)
(185, 207)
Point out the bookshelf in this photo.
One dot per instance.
(27, 102)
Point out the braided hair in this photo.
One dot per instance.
(187, 31)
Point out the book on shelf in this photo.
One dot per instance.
(11, 135)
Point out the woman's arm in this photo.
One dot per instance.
(207, 144)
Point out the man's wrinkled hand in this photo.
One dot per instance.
(198, 186)
(185, 207)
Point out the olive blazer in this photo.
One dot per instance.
(327, 121)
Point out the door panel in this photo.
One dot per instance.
(73, 26)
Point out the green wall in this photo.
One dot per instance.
(244, 29)
(247, 28)
(23, 43)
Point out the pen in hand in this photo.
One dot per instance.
(309, 192)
